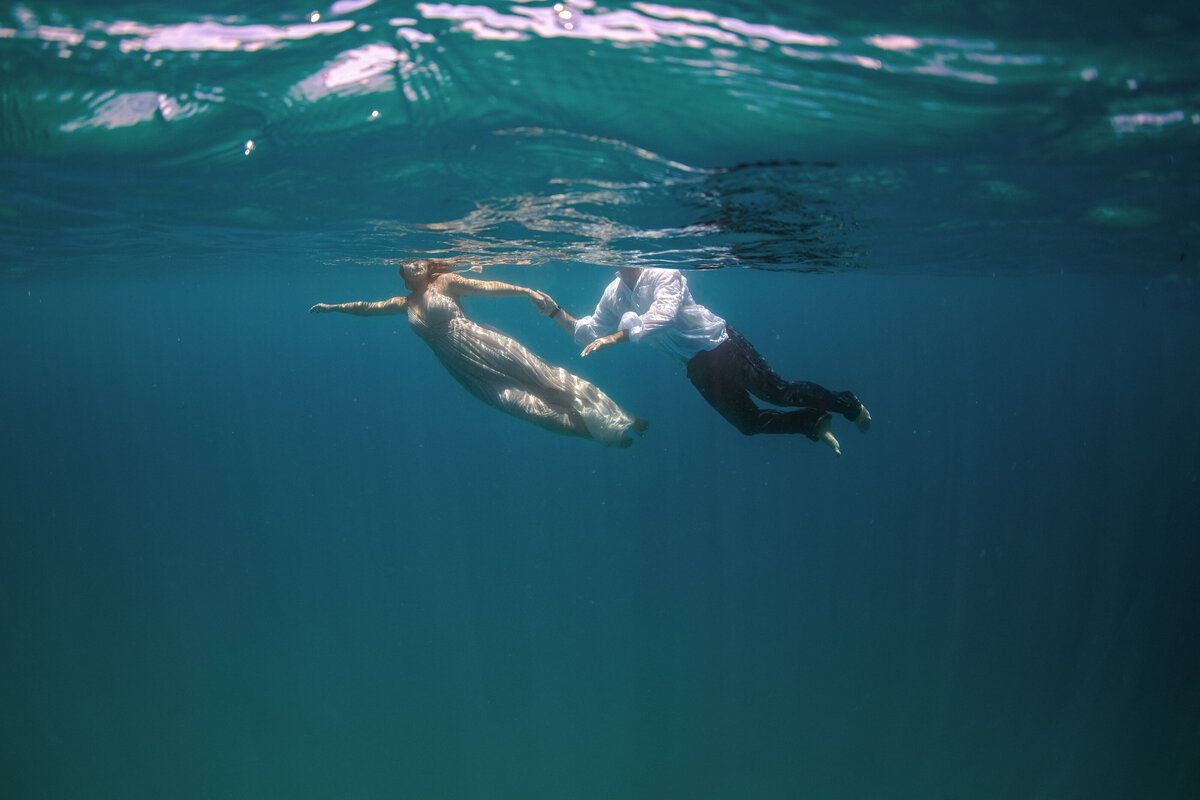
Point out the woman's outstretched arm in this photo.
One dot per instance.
(458, 286)
(364, 308)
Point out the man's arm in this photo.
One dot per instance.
(605, 342)
(600, 322)
(669, 290)
(563, 318)
(568, 323)
(668, 297)
(362, 308)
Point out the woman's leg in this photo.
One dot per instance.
(560, 418)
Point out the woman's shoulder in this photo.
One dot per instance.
(444, 281)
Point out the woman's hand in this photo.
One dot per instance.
(320, 308)
(545, 304)
(605, 342)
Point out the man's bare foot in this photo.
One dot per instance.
(864, 419)
(824, 436)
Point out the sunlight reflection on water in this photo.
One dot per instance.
(715, 136)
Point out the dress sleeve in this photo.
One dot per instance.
(602, 321)
(668, 297)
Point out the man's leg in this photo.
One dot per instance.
(757, 376)
(715, 374)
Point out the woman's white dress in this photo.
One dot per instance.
(501, 372)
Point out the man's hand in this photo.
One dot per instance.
(605, 342)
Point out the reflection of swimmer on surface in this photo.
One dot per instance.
(497, 369)
(656, 306)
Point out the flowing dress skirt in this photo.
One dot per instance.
(503, 373)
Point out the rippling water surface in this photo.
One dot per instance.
(246, 551)
(769, 136)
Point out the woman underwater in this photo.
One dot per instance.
(494, 367)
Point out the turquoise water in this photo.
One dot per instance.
(251, 552)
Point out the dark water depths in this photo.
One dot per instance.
(250, 552)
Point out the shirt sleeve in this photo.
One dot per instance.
(602, 321)
(668, 297)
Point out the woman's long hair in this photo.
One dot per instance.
(438, 266)
(428, 269)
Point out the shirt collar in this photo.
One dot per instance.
(625, 286)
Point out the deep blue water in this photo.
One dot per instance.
(251, 552)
